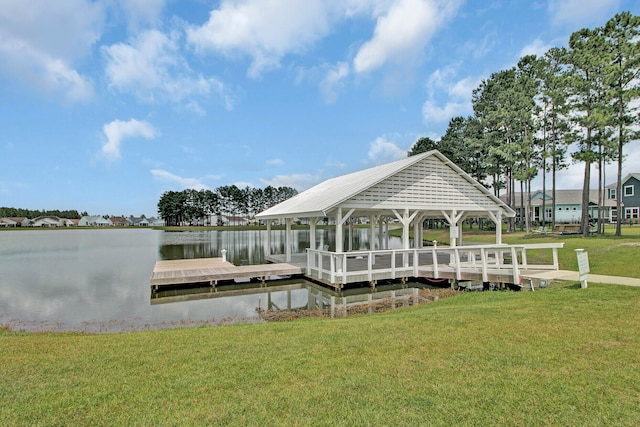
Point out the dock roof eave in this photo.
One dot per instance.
(325, 198)
(329, 194)
(310, 214)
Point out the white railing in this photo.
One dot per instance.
(360, 266)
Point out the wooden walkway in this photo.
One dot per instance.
(213, 270)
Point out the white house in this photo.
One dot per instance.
(568, 206)
(94, 221)
(47, 221)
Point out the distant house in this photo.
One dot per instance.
(119, 221)
(21, 221)
(94, 221)
(568, 206)
(234, 220)
(156, 222)
(8, 223)
(138, 221)
(14, 221)
(47, 221)
(630, 197)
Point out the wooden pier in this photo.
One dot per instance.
(214, 270)
(485, 263)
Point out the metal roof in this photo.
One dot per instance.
(383, 184)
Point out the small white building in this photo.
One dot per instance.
(47, 221)
(405, 192)
(94, 221)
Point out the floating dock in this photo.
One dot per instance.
(214, 270)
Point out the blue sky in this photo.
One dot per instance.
(107, 104)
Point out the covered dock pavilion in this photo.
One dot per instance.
(406, 192)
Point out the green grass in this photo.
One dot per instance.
(563, 356)
(608, 254)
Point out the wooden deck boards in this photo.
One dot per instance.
(212, 270)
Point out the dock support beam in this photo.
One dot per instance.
(287, 239)
(267, 247)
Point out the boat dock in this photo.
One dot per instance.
(486, 263)
(214, 270)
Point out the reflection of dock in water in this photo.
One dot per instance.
(214, 271)
(283, 295)
(198, 292)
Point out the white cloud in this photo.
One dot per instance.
(536, 47)
(463, 89)
(331, 83)
(402, 32)
(152, 68)
(267, 31)
(40, 40)
(263, 30)
(442, 84)
(382, 151)
(183, 183)
(275, 162)
(118, 130)
(576, 14)
(142, 12)
(432, 113)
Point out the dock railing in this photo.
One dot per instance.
(360, 266)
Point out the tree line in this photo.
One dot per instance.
(527, 118)
(29, 213)
(193, 207)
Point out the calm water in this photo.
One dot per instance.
(98, 280)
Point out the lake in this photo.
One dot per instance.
(97, 280)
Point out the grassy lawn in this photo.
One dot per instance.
(609, 255)
(563, 356)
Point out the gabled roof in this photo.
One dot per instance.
(563, 197)
(427, 182)
(624, 180)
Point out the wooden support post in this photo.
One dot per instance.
(483, 260)
(339, 237)
(312, 233)
(287, 239)
(515, 269)
(267, 249)
(434, 259)
(372, 232)
(456, 255)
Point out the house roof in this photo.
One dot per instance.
(427, 182)
(97, 219)
(563, 197)
(624, 180)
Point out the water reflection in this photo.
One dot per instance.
(98, 280)
(293, 294)
(243, 247)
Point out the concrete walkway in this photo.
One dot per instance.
(593, 278)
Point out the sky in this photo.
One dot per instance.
(106, 104)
